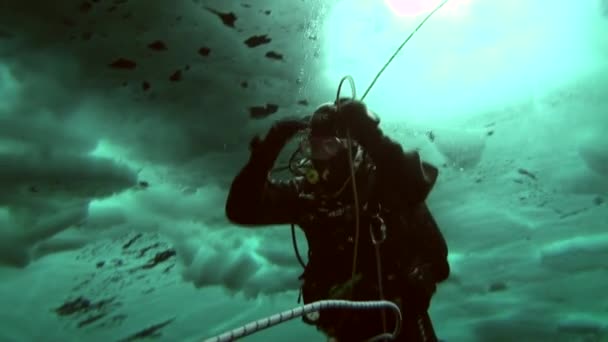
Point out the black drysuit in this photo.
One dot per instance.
(393, 184)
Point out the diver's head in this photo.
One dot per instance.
(327, 149)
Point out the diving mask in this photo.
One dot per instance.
(320, 148)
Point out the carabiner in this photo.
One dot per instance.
(377, 223)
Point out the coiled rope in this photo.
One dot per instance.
(287, 315)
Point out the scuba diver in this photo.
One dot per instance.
(399, 254)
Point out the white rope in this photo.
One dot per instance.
(284, 316)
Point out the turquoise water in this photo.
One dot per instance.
(122, 125)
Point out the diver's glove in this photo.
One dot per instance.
(267, 150)
(420, 287)
(362, 124)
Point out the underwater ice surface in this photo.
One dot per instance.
(122, 124)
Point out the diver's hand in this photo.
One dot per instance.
(420, 287)
(278, 135)
(283, 130)
(354, 116)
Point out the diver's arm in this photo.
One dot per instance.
(430, 264)
(256, 200)
(411, 179)
(430, 245)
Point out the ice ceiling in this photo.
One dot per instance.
(122, 123)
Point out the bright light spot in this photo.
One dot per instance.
(415, 8)
(411, 8)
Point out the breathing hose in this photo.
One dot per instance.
(350, 146)
(352, 170)
(284, 316)
(390, 60)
